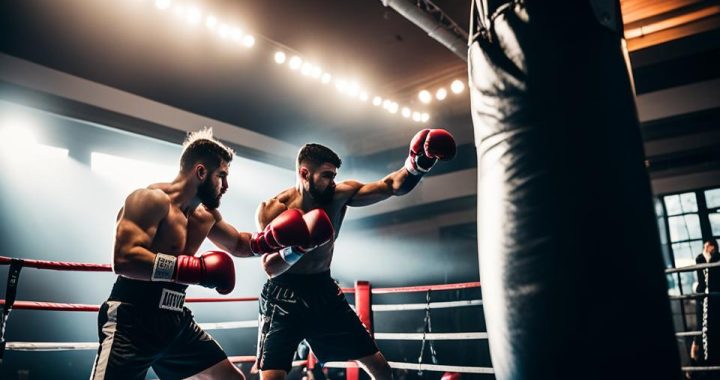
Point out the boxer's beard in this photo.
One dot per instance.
(208, 196)
(321, 197)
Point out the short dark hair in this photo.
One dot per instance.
(317, 155)
(201, 147)
(712, 242)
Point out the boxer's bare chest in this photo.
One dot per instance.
(181, 233)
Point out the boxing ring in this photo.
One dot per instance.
(363, 305)
(363, 293)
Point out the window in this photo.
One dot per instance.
(691, 218)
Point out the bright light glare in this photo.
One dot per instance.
(224, 30)
(405, 112)
(162, 4)
(249, 41)
(306, 68)
(377, 101)
(237, 34)
(457, 86)
(441, 94)
(363, 96)
(425, 96)
(17, 140)
(211, 22)
(295, 62)
(393, 107)
(280, 57)
(424, 117)
(130, 173)
(416, 116)
(341, 85)
(326, 78)
(316, 72)
(193, 15)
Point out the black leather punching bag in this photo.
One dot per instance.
(570, 260)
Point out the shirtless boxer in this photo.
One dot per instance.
(301, 300)
(159, 229)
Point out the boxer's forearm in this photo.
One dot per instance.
(274, 265)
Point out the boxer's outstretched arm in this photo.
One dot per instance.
(226, 237)
(399, 182)
(426, 148)
(137, 224)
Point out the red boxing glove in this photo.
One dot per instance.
(287, 229)
(320, 228)
(426, 147)
(321, 232)
(213, 269)
(440, 144)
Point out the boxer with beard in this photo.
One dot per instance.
(144, 322)
(301, 300)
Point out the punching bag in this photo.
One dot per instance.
(570, 260)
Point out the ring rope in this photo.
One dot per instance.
(229, 325)
(422, 306)
(419, 367)
(93, 267)
(431, 336)
(697, 369)
(58, 265)
(425, 288)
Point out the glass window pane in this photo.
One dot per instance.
(672, 204)
(712, 198)
(688, 202)
(684, 254)
(684, 227)
(696, 246)
(715, 223)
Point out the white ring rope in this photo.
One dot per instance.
(431, 336)
(423, 306)
(419, 367)
(228, 325)
(51, 346)
(696, 369)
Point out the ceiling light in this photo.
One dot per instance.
(377, 101)
(306, 68)
(393, 107)
(162, 4)
(249, 40)
(295, 62)
(457, 86)
(280, 57)
(224, 30)
(424, 117)
(416, 116)
(211, 22)
(405, 112)
(316, 72)
(193, 15)
(425, 96)
(341, 85)
(236, 34)
(363, 96)
(441, 94)
(326, 78)
(353, 89)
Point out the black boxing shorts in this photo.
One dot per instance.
(294, 307)
(143, 324)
